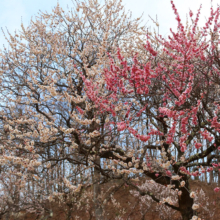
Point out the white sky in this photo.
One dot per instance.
(12, 11)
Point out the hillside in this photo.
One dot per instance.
(128, 207)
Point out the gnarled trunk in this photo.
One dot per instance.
(185, 203)
(97, 193)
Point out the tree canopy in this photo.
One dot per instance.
(91, 96)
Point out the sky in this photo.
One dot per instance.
(13, 11)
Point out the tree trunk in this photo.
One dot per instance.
(186, 216)
(69, 212)
(218, 172)
(97, 193)
(205, 174)
(185, 203)
(210, 177)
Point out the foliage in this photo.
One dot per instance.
(77, 111)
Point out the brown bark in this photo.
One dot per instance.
(211, 177)
(185, 203)
(97, 193)
(218, 172)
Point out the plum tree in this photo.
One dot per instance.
(82, 104)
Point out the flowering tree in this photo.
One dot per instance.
(76, 112)
(172, 103)
(51, 132)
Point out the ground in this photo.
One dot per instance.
(127, 203)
